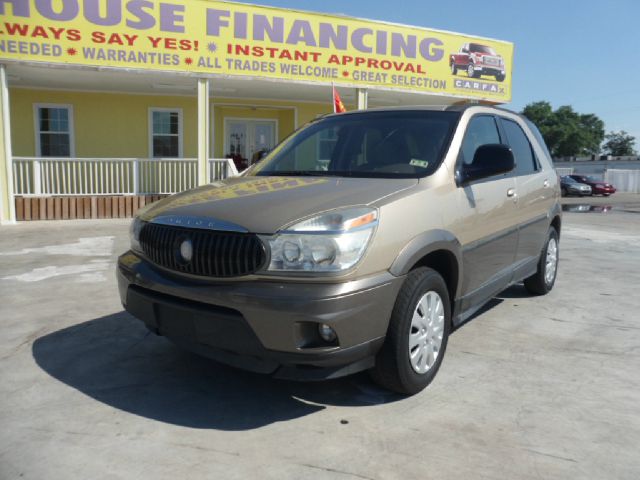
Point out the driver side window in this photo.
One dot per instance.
(482, 130)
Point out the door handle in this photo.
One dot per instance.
(546, 184)
(511, 193)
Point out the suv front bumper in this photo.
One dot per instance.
(488, 69)
(263, 326)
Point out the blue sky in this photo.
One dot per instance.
(580, 53)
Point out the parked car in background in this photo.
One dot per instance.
(478, 60)
(598, 187)
(569, 186)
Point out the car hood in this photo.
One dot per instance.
(268, 204)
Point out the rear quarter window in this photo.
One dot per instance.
(526, 162)
(540, 139)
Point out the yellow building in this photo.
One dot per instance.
(104, 109)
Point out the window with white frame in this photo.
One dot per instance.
(166, 133)
(54, 130)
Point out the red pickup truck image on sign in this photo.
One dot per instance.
(478, 60)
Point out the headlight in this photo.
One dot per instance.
(331, 242)
(134, 234)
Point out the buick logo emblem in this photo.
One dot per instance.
(185, 252)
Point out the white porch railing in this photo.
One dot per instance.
(111, 176)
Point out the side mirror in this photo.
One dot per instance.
(489, 160)
(465, 50)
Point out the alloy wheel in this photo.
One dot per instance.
(425, 335)
(551, 262)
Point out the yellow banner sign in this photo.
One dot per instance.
(213, 37)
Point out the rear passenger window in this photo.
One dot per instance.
(482, 130)
(526, 163)
(540, 139)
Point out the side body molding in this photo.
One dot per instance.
(424, 244)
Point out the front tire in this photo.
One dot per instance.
(417, 336)
(500, 77)
(544, 279)
(471, 72)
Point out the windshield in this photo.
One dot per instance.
(568, 180)
(389, 144)
(474, 47)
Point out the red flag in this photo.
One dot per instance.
(338, 106)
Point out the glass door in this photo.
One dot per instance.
(236, 143)
(247, 141)
(262, 139)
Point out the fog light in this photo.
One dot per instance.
(327, 333)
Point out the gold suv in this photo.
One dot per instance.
(359, 243)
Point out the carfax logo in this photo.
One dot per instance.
(478, 86)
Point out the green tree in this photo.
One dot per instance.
(619, 144)
(542, 115)
(566, 132)
(592, 129)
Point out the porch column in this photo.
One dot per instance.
(7, 205)
(203, 131)
(362, 98)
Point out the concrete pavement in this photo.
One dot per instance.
(533, 387)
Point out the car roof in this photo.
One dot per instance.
(431, 108)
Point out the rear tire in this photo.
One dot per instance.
(500, 77)
(417, 336)
(544, 279)
(454, 69)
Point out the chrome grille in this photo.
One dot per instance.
(491, 60)
(215, 253)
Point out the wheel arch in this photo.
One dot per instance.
(557, 223)
(436, 249)
(556, 218)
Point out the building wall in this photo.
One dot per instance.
(117, 124)
(105, 124)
